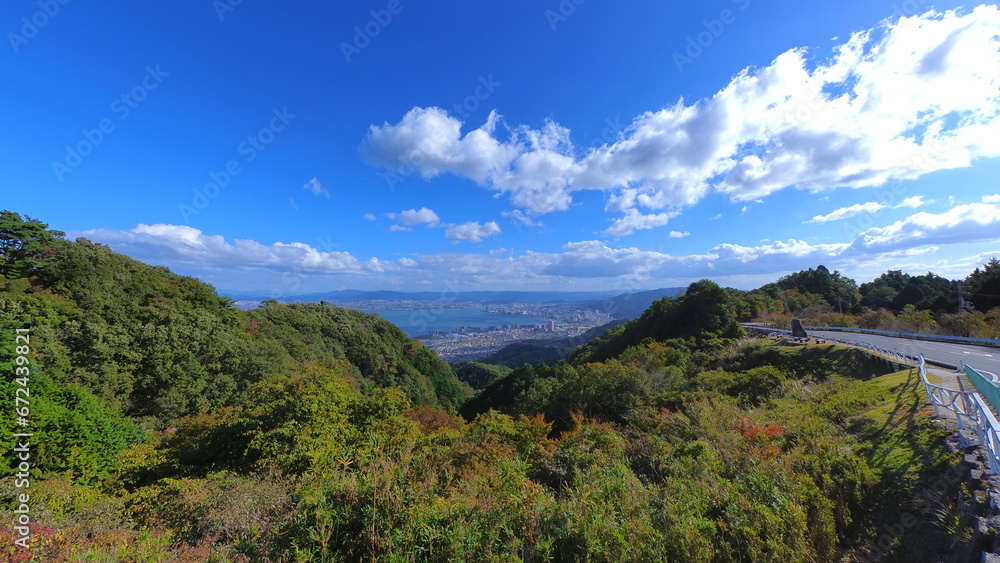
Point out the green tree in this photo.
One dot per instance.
(479, 375)
(25, 243)
(984, 284)
(838, 291)
(705, 311)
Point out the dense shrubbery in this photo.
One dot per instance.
(172, 427)
(709, 480)
(478, 375)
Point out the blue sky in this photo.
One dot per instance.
(399, 144)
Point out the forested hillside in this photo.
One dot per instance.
(169, 426)
(122, 348)
(894, 301)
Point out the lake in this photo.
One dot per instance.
(419, 322)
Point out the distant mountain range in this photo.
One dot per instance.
(632, 305)
(437, 296)
(619, 305)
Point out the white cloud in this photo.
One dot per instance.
(369, 217)
(430, 140)
(471, 232)
(907, 98)
(521, 217)
(594, 259)
(991, 198)
(622, 201)
(316, 189)
(868, 207)
(399, 229)
(679, 234)
(913, 202)
(412, 217)
(906, 243)
(635, 221)
(180, 244)
(964, 224)
(847, 212)
(913, 237)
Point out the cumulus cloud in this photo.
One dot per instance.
(867, 207)
(594, 259)
(976, 222)
(900, 243)
(913, 202)
(995, 198)
(471, 232)
(369, 217)
(916, 236)
(636, 221)
(847, 212)
(410, 217)
(184, 245)
(679, 234)
(430, 140)
(315, 188)
(909, 97)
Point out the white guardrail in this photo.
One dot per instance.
(971, 412)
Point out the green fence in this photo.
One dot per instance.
(987, 388)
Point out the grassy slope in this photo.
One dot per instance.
(914, 516)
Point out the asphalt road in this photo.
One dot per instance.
(980, 357)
